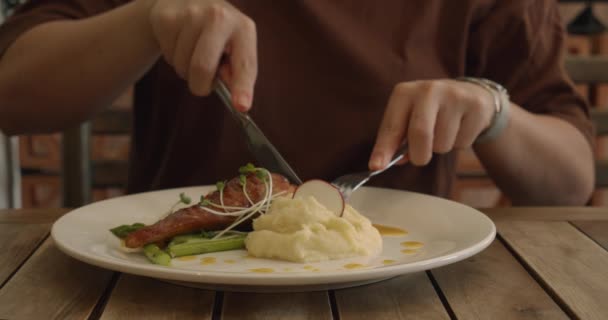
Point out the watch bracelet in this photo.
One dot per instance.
(501, 108)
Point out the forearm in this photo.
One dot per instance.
(540, 160)
(59, 73)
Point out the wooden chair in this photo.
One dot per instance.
(79, 173)
(10, 177)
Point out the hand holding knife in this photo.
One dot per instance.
(264, 152)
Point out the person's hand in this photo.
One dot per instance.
(431, 116)
(194, 35)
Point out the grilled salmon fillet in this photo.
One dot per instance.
(195, 218)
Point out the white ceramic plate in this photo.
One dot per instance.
(439, 232)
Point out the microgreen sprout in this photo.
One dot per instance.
(243, 213)
(243, 181)
(248, 168)
(183, 198)
(220, 187)
(261, 175)
(204, 201)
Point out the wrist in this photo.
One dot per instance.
(141, 16)
(501, 106)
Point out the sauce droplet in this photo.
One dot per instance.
(229, 261)
(353, 266)
(186, 258)
(308, 267)
(262, 270)
(208, 260)
(388, 261)
(287, 269)
(409, 251)
(390, 231)
(412, 244)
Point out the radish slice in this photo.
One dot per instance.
(327, 195)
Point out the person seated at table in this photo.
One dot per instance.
(337, 85)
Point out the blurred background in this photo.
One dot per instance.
(34, 163)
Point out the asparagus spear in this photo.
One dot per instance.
(186, 237)
(195, 245)
(156, 254)
(123, 230)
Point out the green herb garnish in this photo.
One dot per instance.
(204, 202)
(183, 198)
(248, 168)
(220, 185)
(262, 175)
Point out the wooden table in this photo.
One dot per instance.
(547, 263)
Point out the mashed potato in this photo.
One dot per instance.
(303, 230)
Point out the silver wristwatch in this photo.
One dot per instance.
(501, 108)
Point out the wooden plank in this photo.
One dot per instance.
(596, 230)
(493, 285)
(293, 306)
(17, 242)
(145, 298)
(51, 285)
(406, 297)
(571, 265)
(31, 215)
(547, 213)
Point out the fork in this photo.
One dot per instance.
(348, 183)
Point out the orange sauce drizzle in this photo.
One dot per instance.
(390, 231)
(412, 244)
(208, 260)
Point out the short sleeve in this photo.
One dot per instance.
(35, 12)
(521, 44)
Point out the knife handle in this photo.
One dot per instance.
(224, 93)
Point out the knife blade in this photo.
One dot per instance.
(264, 152)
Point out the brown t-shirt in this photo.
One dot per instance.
(326, 70)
